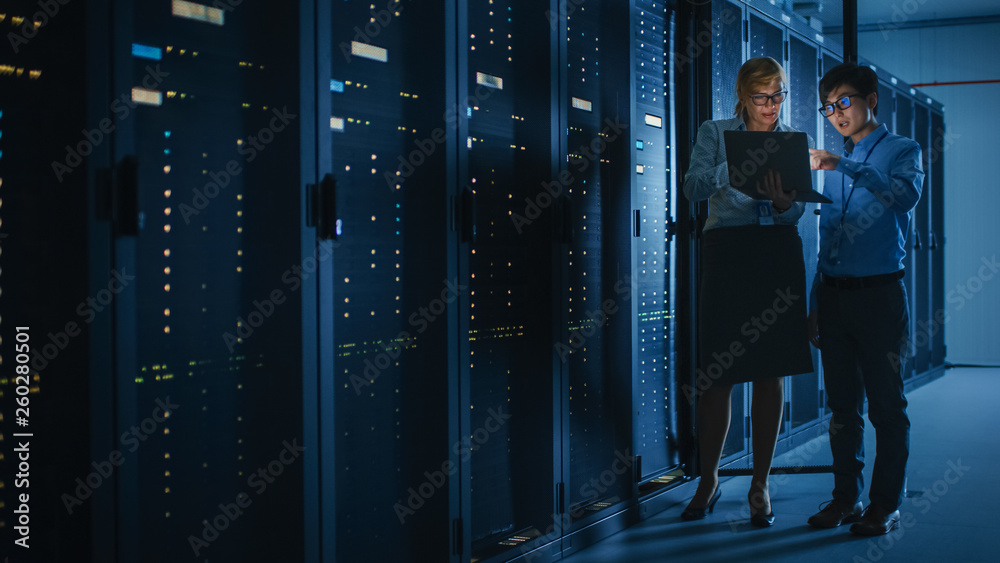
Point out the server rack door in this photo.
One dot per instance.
(390, 130)
(803, 75)
(887, 117)
(728, 43)
(887, 106)
(726, 29)
(904, 127)
(763, 39)
(920, 338)
(207, 151)
(53, 324)
(766, 38)
(936, 242)
(831, 141)
(656, 392)
(509, 370)
(593, 334)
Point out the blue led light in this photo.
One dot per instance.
(166, 134)
(336, 86)
(638, 145)
(468, 111)
(146, 52)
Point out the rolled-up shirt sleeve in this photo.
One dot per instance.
(705, 175)
(791, 216)
(900, 189)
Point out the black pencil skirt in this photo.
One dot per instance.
(753, 305)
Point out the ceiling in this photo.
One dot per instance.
(896, 12)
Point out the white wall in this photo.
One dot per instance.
(972, 168)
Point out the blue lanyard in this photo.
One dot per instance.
(848, 200)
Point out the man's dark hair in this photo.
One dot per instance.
(861, 78)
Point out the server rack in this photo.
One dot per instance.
(921, 243)
(927, 331)
(173, 140)
(729, 50)
(388, 135)
(936, 237)
(921, 118)
(48, 149)
(659, 302)
(205, 175)
(803, 399)
(508, 365)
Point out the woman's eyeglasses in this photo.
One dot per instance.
(761, 99)
(841, 104)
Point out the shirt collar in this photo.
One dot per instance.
(743, 125)
(867, 142)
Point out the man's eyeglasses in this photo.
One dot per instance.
(841, 104)
(761, 99)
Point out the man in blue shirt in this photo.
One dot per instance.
(858, 308)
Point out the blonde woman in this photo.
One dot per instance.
(752, 310)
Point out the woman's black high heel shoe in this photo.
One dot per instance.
(759, 519)
(697, 513)
(762, 520)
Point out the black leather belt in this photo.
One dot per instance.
(867, 281)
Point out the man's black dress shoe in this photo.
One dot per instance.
(835, 514)
(876, 522)
(697, 513)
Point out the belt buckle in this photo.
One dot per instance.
(845, 282)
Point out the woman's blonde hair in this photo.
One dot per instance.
(753, 74)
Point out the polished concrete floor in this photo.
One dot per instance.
(952, 488)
